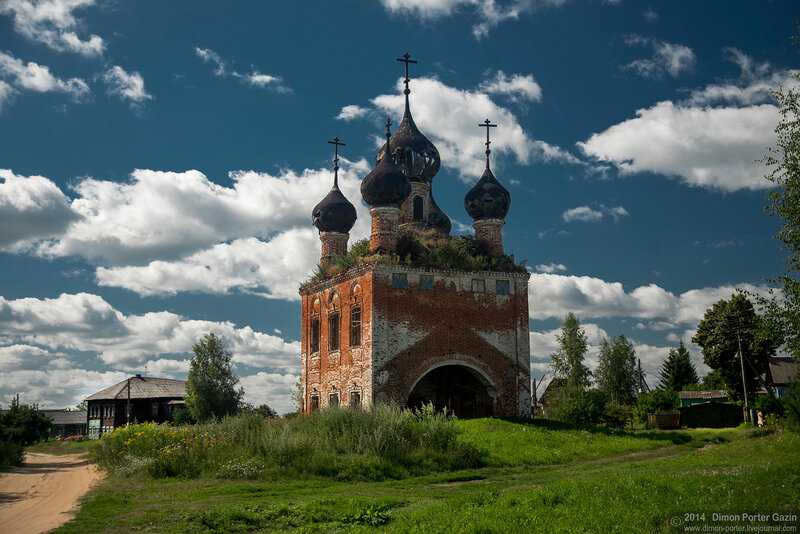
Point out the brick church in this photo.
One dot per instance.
(403, 322)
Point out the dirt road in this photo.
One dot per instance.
(42, 494)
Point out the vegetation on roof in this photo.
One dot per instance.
(423, 249)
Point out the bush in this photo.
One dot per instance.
(381, 443)
(769, 405)
(616, 415)
(791, 407)
(582, 409)
(11, 454)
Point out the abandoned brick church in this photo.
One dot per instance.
(403, 321)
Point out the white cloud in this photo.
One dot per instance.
(351, 112)
(755, 85)
(583, 214)
(650, 15)
(555, 295)
(275, 389)
(450, 117)
(715, 148)
(667, 58)
(126, 85)
(53, 23)
(86, 322)
(551, 267)
(489, 12)
(273, 269)
(516, 87)
(31, 208)
(587, 214)
(38, 78)
(254, 78)
(6, 94)
(170, 215)
(55, 388)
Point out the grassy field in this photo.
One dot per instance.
(539, 479)
(60, 447)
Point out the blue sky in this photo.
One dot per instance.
(161, 159)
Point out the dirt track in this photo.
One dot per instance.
(42, 494)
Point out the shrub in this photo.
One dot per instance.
(769, 405)
(582, 409)
(11, 454)
(381, 443)
(659, 400)
(791, 407)
(616, 415)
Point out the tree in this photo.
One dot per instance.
(677, 371)
(568, 363)
(264, 410)
(616, 372)
(724, 325)
(23, 424)
(783, 161)
(211, 387)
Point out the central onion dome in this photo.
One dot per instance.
(334, 213)
(385, 185)
(487, 199)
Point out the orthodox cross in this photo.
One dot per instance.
(487, 124)
(388, 130)
(336, 142)
(406, 59)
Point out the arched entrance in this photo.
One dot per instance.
(456, 388)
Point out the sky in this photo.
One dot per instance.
(159, 162)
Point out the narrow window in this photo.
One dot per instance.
(417, 208)
(355, 326)
(155, 409)
(426, 281)
(502, 287)
(399, 280)
(478, 285)
(333, 400)
(314, 403)
(355, 399)
(314, 334)
(333, 331)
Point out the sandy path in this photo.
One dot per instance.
(42, 494)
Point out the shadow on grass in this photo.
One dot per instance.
(673, 436)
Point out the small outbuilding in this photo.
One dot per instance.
(690, 398)
(66, 423)
(138, 399)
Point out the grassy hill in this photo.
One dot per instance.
(534, 478)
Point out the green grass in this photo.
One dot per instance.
(587, 483)
(61, 447)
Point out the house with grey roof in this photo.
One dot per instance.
(781, 373)
(137, 399)
(66, 423)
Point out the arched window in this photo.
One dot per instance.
(333, 321)
(417, 208)
(355, 326)
(333, 399)
(314, 334)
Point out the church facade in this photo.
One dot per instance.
(389, 329)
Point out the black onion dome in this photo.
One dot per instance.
(437, 219)
(334, 213)
(488, 199)
(412, 151)
(385, 185)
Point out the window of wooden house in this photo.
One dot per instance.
(355, 326)
(154, 409)
(333, 331)
(314, 334)
(333, 399)
(399, 280)
(478, 285)
(355, 399)
(418, 208)
(502, 287)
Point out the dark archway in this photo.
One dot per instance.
(456, 388)
(418, 208)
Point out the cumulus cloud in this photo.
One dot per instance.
(715, 148)
(170, 215)
(667, 58)
(551, 267)
(489, 12)
(6, 94)
(126, 85)
(450, 117)
(352, 112)
(273, 269)
(587, 214)
(53, 23)
(38, 78)
(517, 86)
(554, 295)
(31, 208)
(254, 78)
(274, 389)
(86, 322)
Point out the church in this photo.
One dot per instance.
(415, 316)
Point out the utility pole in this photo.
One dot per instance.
(128, 405)
(744, 382)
